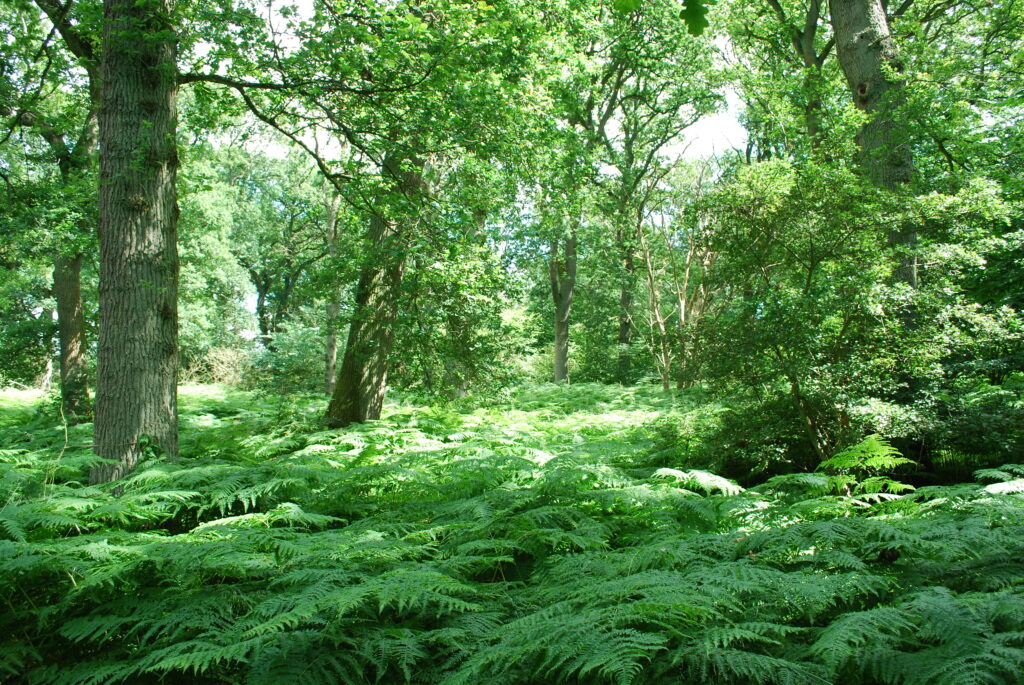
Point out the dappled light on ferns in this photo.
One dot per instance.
(520, 543)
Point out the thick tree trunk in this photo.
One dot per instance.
(67, 290)
(362, 381)
(868, 56)
(562, 274)
(136, 392)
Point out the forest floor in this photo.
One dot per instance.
(550, 535)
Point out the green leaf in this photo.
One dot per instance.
(694, 13)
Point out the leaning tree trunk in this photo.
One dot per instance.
(563, 281)
(136, 392)
(362, 381)
(67, 291)
(867, 54)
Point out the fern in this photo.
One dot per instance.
(532, 541)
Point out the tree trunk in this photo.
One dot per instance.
(661, 345)
(136, 391)
(67, 290)
(803, 44)
(45, 381)
(263, 316)
(563, 282)
(333, 302)
(362, 381)
(814, 433)
(867, 54)
(625, 338)
(331, 347)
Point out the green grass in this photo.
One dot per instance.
(541, 538)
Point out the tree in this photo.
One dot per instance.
(136, 383)
(784, 75)
(279, 229)
(869, 58)
(332, 204)
(362, 380)
(641, 81)
(562, 273)
(35, 69)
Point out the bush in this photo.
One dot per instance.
(218, 365)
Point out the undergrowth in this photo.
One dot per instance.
(535, 540)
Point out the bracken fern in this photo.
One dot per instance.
(530, 541)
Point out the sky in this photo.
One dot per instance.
(715, 134)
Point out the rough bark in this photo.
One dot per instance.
(362, 381)
(136, 393)
(67, 291)
(562, 273)
(869, 59)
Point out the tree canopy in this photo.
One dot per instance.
(487, 372)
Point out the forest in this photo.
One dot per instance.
(512, 342)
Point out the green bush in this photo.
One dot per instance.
(294, 364)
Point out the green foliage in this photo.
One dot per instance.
(294, 365)
(871, 456)
(539, 539)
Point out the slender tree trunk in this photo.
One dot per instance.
(868, 56)
(333, 302)
(45, 381)
(263, 317)
(67, 290)
(562, 274)
(662, 346)
(625, 338)
(807, 414)
(362, 381)
(803, 43)
(136, 390)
